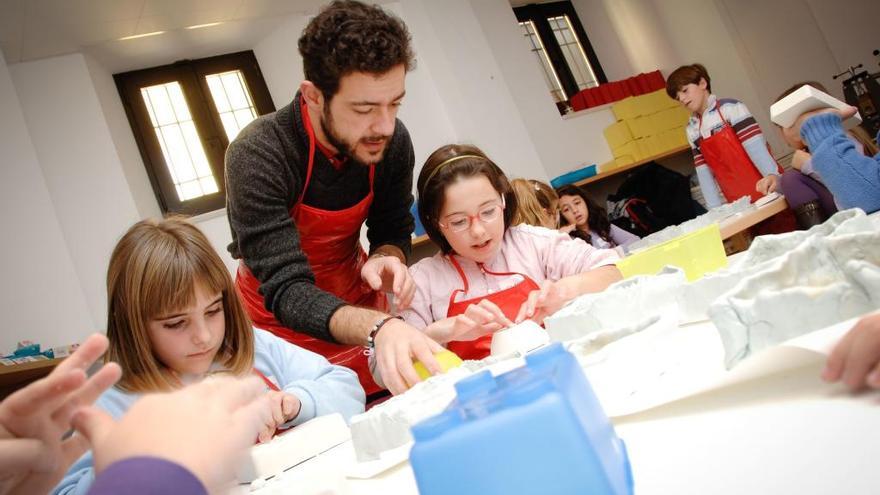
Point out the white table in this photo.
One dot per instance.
(785, 433)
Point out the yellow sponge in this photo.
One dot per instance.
(624, 160)
(607, 166)
(617, 134)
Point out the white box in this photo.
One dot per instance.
(805, 99)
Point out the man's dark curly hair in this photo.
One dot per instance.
(349, 36)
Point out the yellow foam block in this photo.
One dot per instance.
(656, 101)
(640, 127)
(607, 166)
(671, 118)
(623, 161)
(625, 109)
(697, 253)
(653, 145)
(617, 134)
(631, 148)
(673, 138)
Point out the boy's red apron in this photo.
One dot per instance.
(729, 162)
(508, 300)
(331, 242)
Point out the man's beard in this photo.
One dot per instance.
(345, 148)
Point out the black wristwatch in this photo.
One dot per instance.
(371, 338)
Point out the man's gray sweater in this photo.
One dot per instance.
(265, 172)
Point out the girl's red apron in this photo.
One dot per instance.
(508, 300)
(331, 242)
(729, 162)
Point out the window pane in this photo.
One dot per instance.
(573, 52)
(179, 139)
(217, 94)
(209, 185)
(233, 101)
(550, 77)
(190, 190)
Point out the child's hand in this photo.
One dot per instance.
(856, 358)
(566, 229)
(33, 452)
(283, 407)
(483, 318)
(544, 302)
(799, 158)
(768, 184)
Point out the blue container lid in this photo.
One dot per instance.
(474, 385)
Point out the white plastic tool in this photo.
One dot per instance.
(806, 99)
(293, 447)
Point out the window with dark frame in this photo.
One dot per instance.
(184, 115)
(562, 49)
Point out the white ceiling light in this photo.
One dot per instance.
(199, 26)
(135, 36)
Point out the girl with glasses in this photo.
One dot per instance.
(490, 274)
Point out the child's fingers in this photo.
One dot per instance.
(93, 424)
(499, 315)
(521, 314)
(85, 355)
(834, 365)
(44, 395)
(88, 393)
(860, 360)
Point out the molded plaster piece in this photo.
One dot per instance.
(293, 447)
(767, 247)
(625, 304)
(822, 281)
(520, 338)
(386, 426)
(714, 215)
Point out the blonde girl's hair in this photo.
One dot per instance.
(536, 203)
(154, 270)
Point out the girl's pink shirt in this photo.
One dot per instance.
(539, 253)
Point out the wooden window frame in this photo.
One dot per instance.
(538, 14)
(191, 76)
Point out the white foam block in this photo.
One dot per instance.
(806, 99)
(293, 447)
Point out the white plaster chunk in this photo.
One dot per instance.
(625, 304)
(820, 282)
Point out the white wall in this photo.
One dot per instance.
(607, 45)
(79, 161)
(42, 299)
(850, 29)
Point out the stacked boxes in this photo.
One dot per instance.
(647, 125)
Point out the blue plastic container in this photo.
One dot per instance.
(574, 176)
(535, 430)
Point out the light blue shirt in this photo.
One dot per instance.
(321, 387)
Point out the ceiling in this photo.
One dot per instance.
(34, 29)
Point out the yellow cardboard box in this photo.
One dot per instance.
(657, 101)
(640, 127)
(631, 148)
(673, 138)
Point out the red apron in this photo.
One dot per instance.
(331, 242)
(729, 162)
(508, 300)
